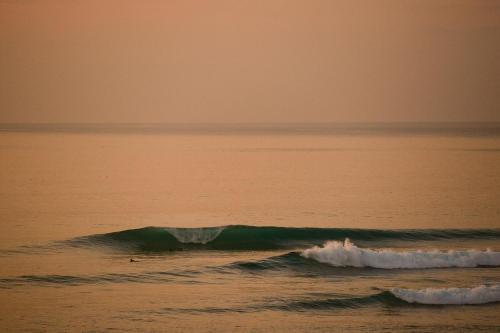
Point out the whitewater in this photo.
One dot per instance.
(450, 296)
(346, 254)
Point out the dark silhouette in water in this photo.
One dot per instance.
(133, 260)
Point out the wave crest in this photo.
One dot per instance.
(243, 237)
(347, 254)
(450, 296)
(195, 235)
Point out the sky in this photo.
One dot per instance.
(227, 61)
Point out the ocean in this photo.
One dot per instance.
(250, 228)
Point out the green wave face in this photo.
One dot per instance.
(385, 298)
(240, 237)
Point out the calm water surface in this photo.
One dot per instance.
(222, 228)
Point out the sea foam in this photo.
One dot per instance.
(346, 254)
(478, 295)
(195, 235)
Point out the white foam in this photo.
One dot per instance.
(195, 235)
(478, 295)
(347, 254)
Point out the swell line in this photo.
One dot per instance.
(56, 280)
(240, 237)
(396, 297)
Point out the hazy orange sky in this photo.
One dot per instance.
(249, 61)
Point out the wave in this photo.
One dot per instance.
(450, 296)
(402, 297)
(384, 297)
(389, 298)
(78, 280)
(241, 237)
(347, 254)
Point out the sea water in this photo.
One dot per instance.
(268, 228)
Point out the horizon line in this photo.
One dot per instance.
(479, 129)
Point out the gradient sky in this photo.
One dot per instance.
(249, 60)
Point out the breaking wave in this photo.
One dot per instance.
(240, 237)
(389, 298)
(346, 254)
(450, 296)
(401, 297)
(195, 235)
